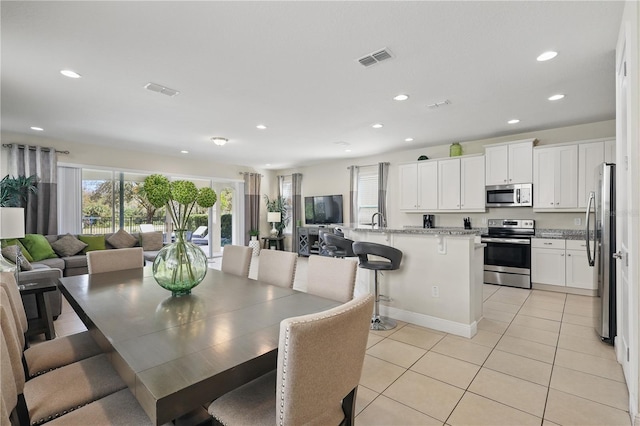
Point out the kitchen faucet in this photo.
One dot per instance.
(383, 222)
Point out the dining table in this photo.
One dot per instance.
(176, 354)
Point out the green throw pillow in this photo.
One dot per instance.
(95, 242)
(16, 242)
(38, 246)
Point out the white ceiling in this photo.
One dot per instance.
(293, 67)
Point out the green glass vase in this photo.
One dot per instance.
(180, 266)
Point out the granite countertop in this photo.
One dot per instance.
(561, 234)
(424, 231)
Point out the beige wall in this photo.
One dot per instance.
(333, 178)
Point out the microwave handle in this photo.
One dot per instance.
(518, 196)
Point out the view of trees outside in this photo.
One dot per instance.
(112, 199)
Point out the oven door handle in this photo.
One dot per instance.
(506, 240)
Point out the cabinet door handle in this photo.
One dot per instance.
(568, 255)
(552, 203)
(548, 244)
(562, 255)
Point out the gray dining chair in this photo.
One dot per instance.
(236, 260)
(320, 360)
(99, 261)
(277, 267)
(56, 392)
(49, 354)
(331, 277)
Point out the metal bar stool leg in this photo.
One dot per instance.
(379, 322)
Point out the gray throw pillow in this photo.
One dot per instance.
(10, 253)
(151, 241)
(68, 246)
(122, 239)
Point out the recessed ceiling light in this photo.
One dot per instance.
(70, 74)
(219, 141)
(184, 151)
(514, 121)
(377, 126)
(37, 129)
(261, 126)
(547, 55)
(347, 150)
(268, 165)
(556, 97)
(401, 98)
(408, 140)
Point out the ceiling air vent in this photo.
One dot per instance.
(161, 89)
(375, 57)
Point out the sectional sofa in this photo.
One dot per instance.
(66, 256)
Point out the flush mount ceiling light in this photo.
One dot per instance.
(408, 140)
(514, 121)
(70, 74)
(377, 126)
(547, 56)
(219, 141)
(184, 151)
(401, 97)
(261, 127)
(37, 129)
(556, 97)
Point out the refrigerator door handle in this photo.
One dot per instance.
(590, 259)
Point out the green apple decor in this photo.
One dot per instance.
(179, 266)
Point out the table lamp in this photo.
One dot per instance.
(11, 226)
(273, 217)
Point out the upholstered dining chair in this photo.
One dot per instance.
(49, 354)
(331, 277)
(320, 360)
(277, 267)
(236, 260)
(99, 261)
(56, 392)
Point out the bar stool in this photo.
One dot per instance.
(338, 246)
(393, 258)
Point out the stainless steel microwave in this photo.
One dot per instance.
(519, 195)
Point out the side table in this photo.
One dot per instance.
(277, 242)
(44, 322)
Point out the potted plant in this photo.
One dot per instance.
(254, 233)
(15, 190)
(179, 266)
(278, 204)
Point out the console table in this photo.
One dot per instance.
(277, 242)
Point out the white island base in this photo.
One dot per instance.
(439, 283)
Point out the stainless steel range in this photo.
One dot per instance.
(507, 256)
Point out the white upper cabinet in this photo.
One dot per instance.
(509, 163)
(590, 155)
(555, 177)
(472, 191)
(419, 186)
(449, 184)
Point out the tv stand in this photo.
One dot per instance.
(309, 239)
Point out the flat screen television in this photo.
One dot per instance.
(323, 210)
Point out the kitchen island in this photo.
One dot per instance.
(439, 283)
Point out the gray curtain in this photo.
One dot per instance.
(251, 203)
(41, 211)
(353, 196)
(383, 177)
(296, 208)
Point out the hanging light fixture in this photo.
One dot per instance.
(219, 141)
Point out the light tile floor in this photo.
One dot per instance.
(535, 360)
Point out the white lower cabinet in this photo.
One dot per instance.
(561, 263)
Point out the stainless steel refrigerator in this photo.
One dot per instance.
(601, 229)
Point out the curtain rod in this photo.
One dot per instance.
(9, 145)
(368, 165)
(250, 173)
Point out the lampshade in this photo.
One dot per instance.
(11, 222)
(273, 217)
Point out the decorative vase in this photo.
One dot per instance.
(255, 245)
(455, 150)
(180, 266)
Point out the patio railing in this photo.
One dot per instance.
(105, 224)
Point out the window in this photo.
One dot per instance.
(286, 190)
(367, 194)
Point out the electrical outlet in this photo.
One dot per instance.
(435, 291)
(577, 221)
